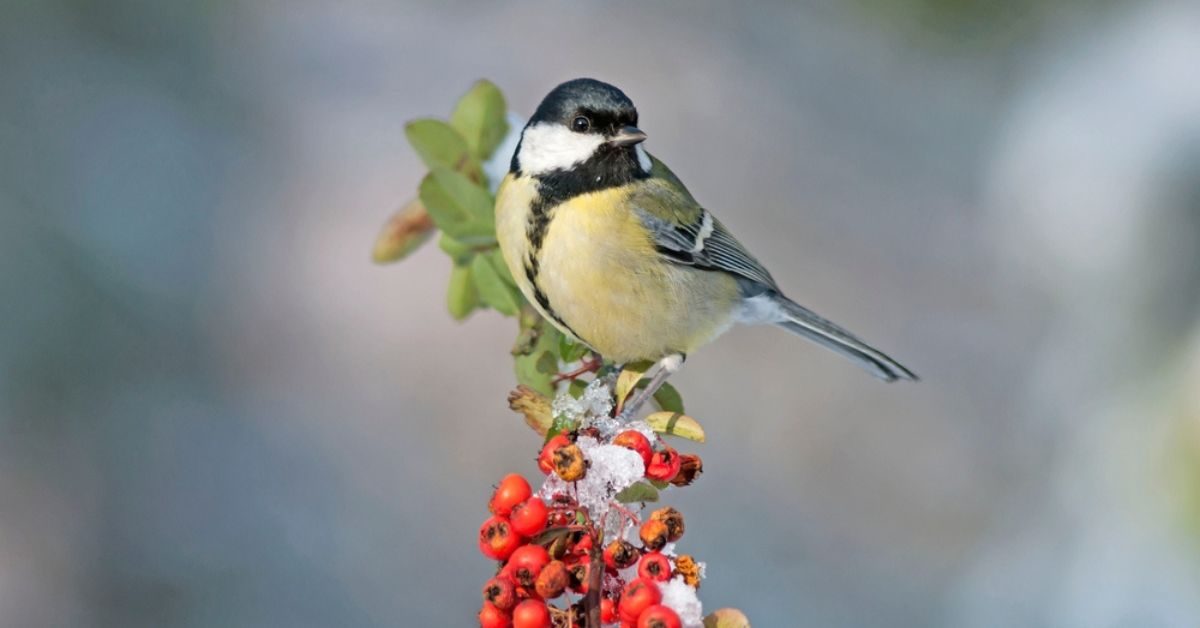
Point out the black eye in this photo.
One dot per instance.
(581, 124)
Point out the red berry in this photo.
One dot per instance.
(552, 580)
(635, 440)
(608, 611)
(529, 517)
(664, 465)
(659, 616)
(546, 458)
(500, 592)
(637, 596)
(579, 576)
(531, 614)
(620, 554)
(497, 539)
(582, 545)
(527, 562)
(492, 617)
(655, 566)
(512, 490)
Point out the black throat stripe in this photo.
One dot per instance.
(540, 213)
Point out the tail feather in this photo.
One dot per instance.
(803, 322)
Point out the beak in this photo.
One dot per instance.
(628, 136)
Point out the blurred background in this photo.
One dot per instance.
(215, 411)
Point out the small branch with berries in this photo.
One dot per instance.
(578, 552)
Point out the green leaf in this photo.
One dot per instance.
(459, 252)
(454, 203)
(659, 484)
(462, 297)
(472, 197)
(628, 380)
(676, 424)
(639, 492)
(668, 398)
(549, 535)
(570, 351)
(496, 257)
(493, 290)
(560, 425)
(479, 118)
(576, 387)
(547, 363)
(529, 362)
(440, 146)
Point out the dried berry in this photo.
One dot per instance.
(653, 534)
(674, 520)
(687, 567)
(553, 580)
(620, 554)
(569, 462)
(690, 468)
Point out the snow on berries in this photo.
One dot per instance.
(584, 529)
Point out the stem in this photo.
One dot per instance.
(626, 513)
(595, 581)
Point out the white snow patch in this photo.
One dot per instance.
(612, 470)
(681, 598)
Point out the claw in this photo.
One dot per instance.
(590, 365)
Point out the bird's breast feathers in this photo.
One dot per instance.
(595, 273)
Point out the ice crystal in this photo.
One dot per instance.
(591, 408)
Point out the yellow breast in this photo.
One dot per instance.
(602, 278)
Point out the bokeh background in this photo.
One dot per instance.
(215, 411)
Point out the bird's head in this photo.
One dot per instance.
(584, 133)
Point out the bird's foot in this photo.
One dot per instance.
(590, 364)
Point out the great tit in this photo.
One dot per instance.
(610, 247)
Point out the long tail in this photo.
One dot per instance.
(803, 322)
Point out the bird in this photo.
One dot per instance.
(608, 245)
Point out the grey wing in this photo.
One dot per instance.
(706, 244)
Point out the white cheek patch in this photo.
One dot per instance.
(546, 147)
(643, 159)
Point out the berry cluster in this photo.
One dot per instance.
(571, 560)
